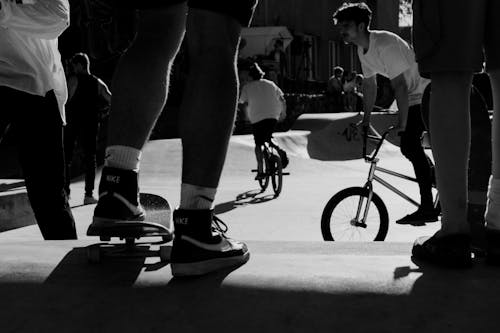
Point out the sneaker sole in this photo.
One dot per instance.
(208, 266)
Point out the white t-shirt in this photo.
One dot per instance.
(263, 98)
(389, 55)
(29, 56)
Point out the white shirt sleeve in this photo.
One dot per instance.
(44, 19)
(395, 60)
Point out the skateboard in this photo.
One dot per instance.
(157, 227)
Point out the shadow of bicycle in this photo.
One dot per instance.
(251, 197)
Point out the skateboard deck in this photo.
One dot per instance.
(157, 227)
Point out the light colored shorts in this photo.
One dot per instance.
(456, 35)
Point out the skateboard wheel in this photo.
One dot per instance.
(165, 253)
(94, 254)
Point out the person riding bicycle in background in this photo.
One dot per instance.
(265, 104)
(385, 53)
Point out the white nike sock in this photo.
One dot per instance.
(492, 215)
(123, 157)
(197, 197)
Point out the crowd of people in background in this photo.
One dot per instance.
(344, 89)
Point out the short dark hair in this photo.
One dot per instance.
(255, 72)
(358, 12)
(81, 59)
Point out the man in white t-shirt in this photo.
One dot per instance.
(265, 105)
(33, 93)
(385, 53)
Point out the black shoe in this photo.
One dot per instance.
(448, 251)
(118, 198)
(420, 217)
(493, 247)
(200, 246)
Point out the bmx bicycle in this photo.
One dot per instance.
(273, 168)
(358, 213)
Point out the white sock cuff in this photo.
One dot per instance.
(197, 197)
(123, 157)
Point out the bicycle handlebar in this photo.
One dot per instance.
(378, 138)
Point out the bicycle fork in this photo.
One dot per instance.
(369, 187)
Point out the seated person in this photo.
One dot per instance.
(265, 105)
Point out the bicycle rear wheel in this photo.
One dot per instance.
(338, 221)
(277, 174)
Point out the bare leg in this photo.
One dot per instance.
(495, 85)
(140, 84)
(450, 131)
(209, 104)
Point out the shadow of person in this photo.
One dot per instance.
(452, 300)
(75, 269)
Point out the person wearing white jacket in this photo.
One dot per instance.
(33, 93)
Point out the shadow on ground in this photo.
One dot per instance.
(79, 297)
(251, 197)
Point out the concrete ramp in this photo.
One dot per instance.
(333, 137)
(285, 287)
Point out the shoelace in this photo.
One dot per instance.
(219, 226)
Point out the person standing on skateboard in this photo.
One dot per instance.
(140, 85)
(33, 93)
(385, 53)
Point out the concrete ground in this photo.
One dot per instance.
(294, 280)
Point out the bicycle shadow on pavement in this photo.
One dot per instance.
(251, 197)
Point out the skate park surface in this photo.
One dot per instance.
(294, 280)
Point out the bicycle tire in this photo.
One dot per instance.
(277, 174)
(378, 228)
(264, 182)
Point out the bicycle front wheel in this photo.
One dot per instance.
(340, 222)
(277, 174)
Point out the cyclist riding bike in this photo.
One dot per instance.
(265, 104)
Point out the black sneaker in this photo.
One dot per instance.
(493, 247)
(118, 198)
(449, 251)
(420, 217)
(200, 245)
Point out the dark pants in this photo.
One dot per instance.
(263, 131)
(411, 148)
(83, 131)
(36, 123)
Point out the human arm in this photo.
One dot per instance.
(45, 19)
(72, 83)
(103, 91)
(369, 97)
(283, 107)
(401, 94)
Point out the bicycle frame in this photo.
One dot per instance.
(373, 160)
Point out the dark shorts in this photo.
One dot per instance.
(241, 10)
(456, 35)
(263, 131)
